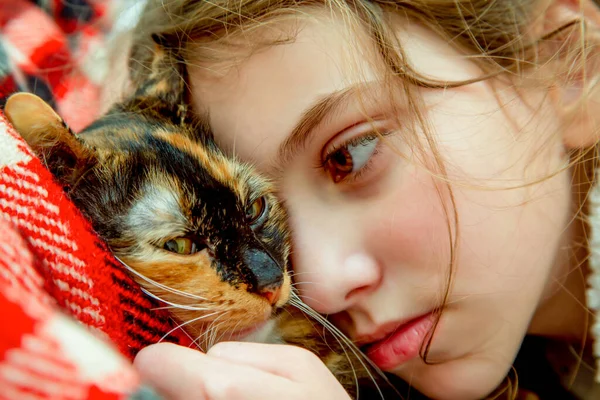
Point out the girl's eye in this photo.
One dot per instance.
(256, 210)
(183, 246)
(350, 158)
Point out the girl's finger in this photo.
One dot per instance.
(290, 362)
(180, 373)
(170, 369)
(300, 368)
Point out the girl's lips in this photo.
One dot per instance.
(402, 344)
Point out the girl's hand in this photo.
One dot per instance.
(240, 371)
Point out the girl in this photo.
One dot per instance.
(436, 158)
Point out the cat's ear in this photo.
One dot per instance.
(166, 80)
(49, 137)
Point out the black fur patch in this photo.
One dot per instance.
(218, 214)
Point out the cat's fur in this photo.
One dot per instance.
(147, 172)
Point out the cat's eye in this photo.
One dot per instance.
(184, 246)
(256, 210)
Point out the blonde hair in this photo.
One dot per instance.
(498, 35)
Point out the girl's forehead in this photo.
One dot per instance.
(257, 102)
(254, 104)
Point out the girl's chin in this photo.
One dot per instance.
(463, 378)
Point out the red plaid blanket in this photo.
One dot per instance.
(49, 49)
(63, 297)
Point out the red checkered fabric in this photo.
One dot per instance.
(43, 354)
(51, 260)
(73, 319)
(46, 50)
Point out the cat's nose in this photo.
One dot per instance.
(267, 274)
(272, 294)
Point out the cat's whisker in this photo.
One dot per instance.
(215, 332)
(173, 305)
(187, 323)
(203, 337)
(160, 285)
(342, 343)
(186, 334)
(223, 333)
(213, 336)
(298, 303)
(219, 339)
(180, 306)
(296, 284)
(295, 273)
(311, 298)
(305, 282)
(197, 343)
(209, 330)
(200, 339)
(232, 330)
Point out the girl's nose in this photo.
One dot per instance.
(332, 269)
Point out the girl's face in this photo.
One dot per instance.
(370, 223)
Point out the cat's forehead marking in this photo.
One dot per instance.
(215, 163)
(157, 211)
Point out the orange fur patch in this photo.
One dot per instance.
(221, 308)
(217, 165)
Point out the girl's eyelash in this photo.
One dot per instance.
(359, 140)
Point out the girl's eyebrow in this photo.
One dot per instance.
(315, 115)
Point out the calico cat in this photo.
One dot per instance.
(200, 231)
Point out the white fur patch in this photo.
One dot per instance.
(266, 334)
(158, 211)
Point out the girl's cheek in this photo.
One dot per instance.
(408, 229)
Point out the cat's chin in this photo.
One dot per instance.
(266, 333)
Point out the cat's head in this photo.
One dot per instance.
(200, 230)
